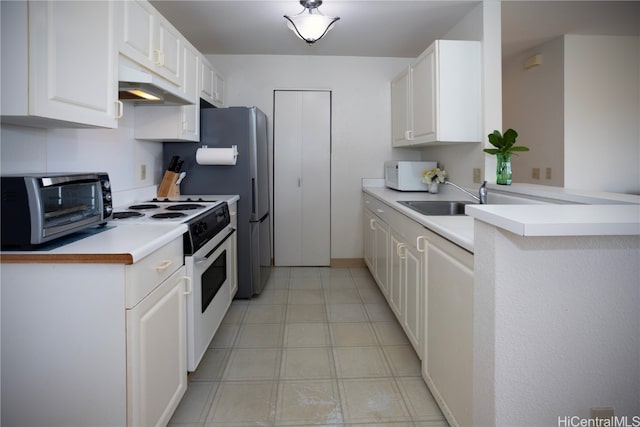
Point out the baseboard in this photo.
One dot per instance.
(347, 262)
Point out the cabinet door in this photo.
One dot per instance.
(382, 257)
(156, 353)
(137, 28)
(423, 103)
(60, 88)
(412, 286)
(168, 58)
(449, 363)
(396, 291)
(190, 86)
(369, 234)
(400, 104)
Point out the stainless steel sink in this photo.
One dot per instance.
(437, 207)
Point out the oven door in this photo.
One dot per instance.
(210, 268)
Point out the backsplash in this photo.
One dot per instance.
(114, 151)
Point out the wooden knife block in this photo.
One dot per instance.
(168, 186)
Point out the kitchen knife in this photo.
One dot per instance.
(178, 167)
(173, 163)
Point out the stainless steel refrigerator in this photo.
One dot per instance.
(245, 127)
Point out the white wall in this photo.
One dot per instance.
(555, 327)
(578, 112)
(360, 121)
(602, 131)
(24, 149)
(533, 105)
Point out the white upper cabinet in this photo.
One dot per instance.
(212, 84)
(59, 64)
(400, 104)
(174, 123)
(439, 98)
(147, 38)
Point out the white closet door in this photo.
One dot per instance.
(302, 155)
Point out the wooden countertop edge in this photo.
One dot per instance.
(32, 258)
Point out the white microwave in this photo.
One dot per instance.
(405, 175)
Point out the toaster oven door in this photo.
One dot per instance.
(69, 206)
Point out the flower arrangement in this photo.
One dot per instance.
(434, 176)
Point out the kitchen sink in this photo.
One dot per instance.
(437, 207)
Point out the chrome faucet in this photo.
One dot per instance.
(482, 192)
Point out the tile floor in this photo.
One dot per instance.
(319, 346)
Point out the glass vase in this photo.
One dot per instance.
(433, 187)
(503, 169)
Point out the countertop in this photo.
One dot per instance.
(548, 211)
(457, 228)
(117, 243)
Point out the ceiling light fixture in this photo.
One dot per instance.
(310, 27)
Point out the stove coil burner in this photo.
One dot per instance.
(168, 215)
(184, 207)
(143, 207)
(126, 214)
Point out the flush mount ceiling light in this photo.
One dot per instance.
(310, 26)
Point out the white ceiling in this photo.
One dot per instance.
(385, 28)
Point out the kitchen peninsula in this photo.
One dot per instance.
(555, 296)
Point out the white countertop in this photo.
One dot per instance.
(119, 244)
(561, 220)
(609, 215)
(456, 228)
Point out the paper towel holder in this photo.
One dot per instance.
(235, 149)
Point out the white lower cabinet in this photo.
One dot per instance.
(447, 365)
(396, 264)
(428, 283)
(156, 354)
(94, 344)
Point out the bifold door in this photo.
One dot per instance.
(302, 172)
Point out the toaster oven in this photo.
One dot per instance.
(38, 208)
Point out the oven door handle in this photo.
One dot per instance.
(206, 257)
(188, 285)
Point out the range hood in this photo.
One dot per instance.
(140, 86)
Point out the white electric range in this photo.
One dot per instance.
(208, 257)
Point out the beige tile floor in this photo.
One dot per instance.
(319, 346)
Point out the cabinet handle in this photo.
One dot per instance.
(119, 109)
(299, 182)
(420, 247)
(188, 285)
(399, 250)
(164, 265)
(372, 224)
(158, 57)
(185, 126)
(380, 210)
(408, 135)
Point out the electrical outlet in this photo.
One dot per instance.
(548, 173)
(143, 172)
(535, 173)
(476, 175)
(602, 413)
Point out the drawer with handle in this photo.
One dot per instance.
(145, 275)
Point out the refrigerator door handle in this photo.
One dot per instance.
(253, 197)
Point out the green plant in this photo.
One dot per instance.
(504, 144)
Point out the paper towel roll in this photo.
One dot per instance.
(217, 156)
